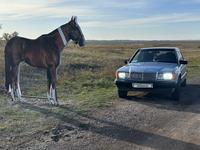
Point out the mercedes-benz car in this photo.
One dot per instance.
(153, 69)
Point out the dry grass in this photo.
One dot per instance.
(85, 82)
(86, 73)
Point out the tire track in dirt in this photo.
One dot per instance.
(140, 123)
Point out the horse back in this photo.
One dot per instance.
(40, 52)
(13, 49)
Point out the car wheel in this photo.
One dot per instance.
(184, 83)
(176, 93)
(122, 94)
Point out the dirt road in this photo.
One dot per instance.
(150, 122)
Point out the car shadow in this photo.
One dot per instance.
(114, 130)
(189, 100)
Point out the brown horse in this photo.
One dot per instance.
(43, 52)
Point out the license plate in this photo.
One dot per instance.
(142, 85)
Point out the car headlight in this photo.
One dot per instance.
(166, 76)
(122, 75)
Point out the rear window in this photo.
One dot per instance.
(155, 55)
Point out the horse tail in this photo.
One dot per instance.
(7, 67)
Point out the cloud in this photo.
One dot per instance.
(97, 17)
(17, 10)
(136, 4)
(160, 19)
(149, 21)
(195, 1)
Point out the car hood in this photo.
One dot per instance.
(149, 67)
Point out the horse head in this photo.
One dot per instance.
(75, 32)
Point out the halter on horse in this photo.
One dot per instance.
(43, 52)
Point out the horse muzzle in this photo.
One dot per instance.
(82, 43)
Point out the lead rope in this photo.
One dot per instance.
(62, 36)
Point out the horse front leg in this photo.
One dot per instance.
(53, 85)
(49, 87)
(52, 94)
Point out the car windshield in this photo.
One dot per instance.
(155, 55)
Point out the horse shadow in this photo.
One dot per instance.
(112, 129)
(189, 100)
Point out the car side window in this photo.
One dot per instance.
(180, 56)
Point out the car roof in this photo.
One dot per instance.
(149, 48)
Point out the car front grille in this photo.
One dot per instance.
(137, 76)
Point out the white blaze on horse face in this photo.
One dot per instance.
(79, 28)
(80, 31)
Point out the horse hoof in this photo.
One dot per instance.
(13, 99)
(21, 99)
(52, 102)
(57, 104)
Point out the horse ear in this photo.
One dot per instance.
(72, 19)
(75, 19)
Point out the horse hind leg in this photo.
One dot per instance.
(18, 89)
(11, 85)
(9, 76)
(11, 91)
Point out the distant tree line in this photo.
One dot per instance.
(8, 36)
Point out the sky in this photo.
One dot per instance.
(105, 19)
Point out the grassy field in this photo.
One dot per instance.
(85, 82)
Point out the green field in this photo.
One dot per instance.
(85, 83)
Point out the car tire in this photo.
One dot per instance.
(176, 93)
(184, 83)
(122, 94)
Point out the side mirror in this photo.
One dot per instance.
(126, 61)
(183, 62)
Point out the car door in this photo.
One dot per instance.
(183, 68)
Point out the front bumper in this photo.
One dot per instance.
(126, 85)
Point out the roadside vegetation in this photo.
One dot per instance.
(86, 75)
(85, 82)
